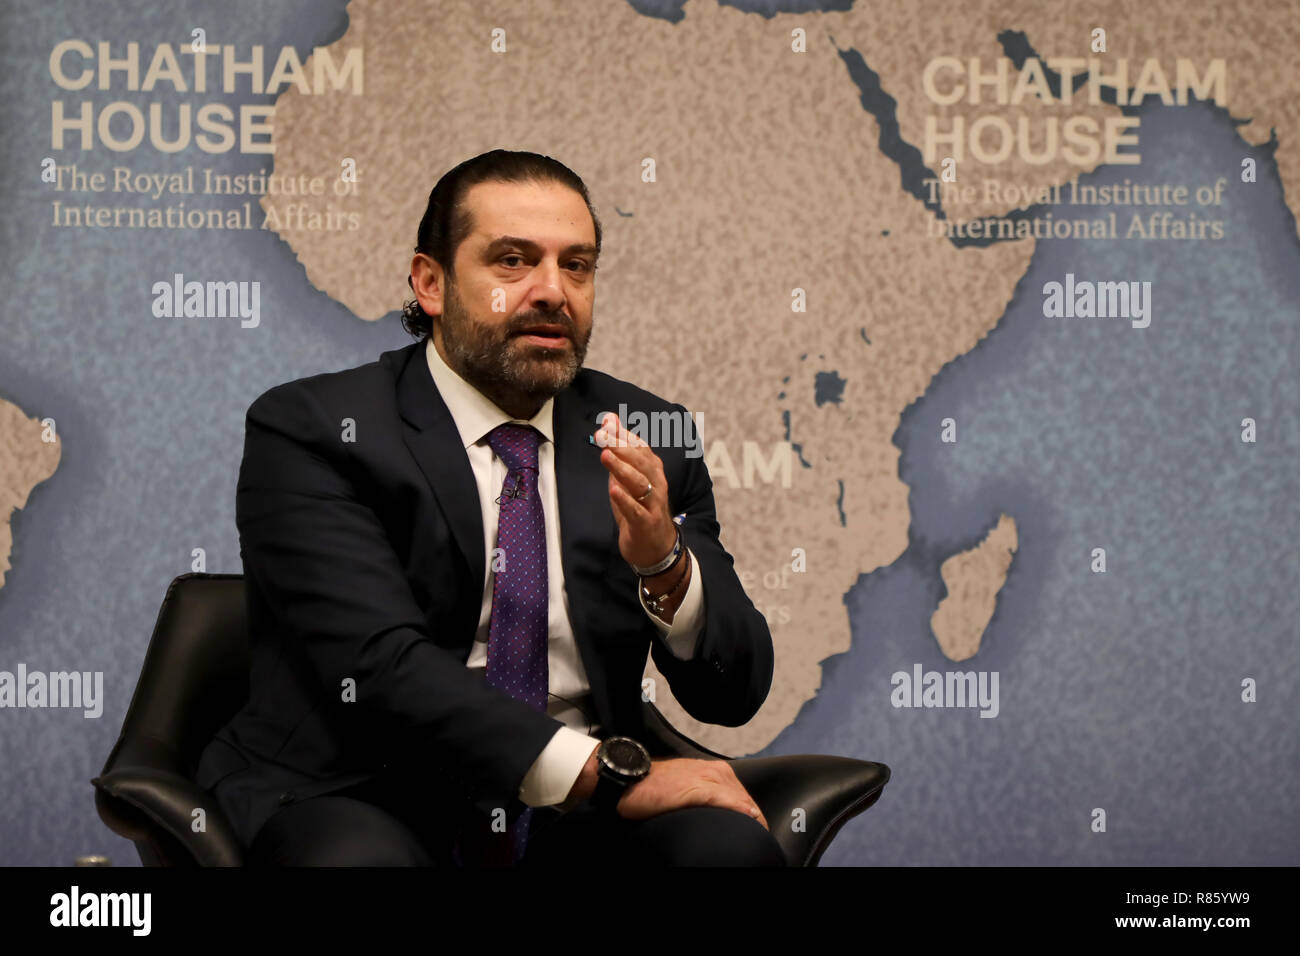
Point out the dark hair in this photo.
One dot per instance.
(447, 222)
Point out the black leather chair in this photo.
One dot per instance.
(195, 677)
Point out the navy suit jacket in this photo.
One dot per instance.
(364, 567)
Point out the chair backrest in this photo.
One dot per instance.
(195, 673)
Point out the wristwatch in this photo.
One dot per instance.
(620, 762)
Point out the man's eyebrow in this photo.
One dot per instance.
(503, 241)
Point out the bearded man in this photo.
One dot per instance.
(457, 559)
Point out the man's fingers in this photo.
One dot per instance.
(742, 801)
(622, 443)
(622, 506)
(626, 474)
(633, 485)
(634, 466)
(744, 804)
(620, 435)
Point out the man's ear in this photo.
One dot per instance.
(424, 282)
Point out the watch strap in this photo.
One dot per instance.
(607, 793)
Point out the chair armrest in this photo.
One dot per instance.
(168, 800)
(829, 790)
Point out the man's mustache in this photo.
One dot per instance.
(531, 322)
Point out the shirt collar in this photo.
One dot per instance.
(473, 412)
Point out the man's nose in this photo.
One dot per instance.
(547, 292)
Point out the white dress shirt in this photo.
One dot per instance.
(560, 763)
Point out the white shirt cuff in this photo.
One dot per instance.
(683, 635)
(557, 768)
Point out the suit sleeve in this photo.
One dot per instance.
(326, 567)
(728, 678)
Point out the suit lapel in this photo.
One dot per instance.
(581, 481)
(433, 441)
(587, 529)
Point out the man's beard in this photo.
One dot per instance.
(503, 366)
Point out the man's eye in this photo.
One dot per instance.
(583, 266)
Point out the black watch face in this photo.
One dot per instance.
(626, 755)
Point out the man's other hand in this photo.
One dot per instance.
(687, 782)
(671, 785)
(646, 532)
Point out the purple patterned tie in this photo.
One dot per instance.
(517, 630)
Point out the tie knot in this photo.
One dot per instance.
(516, 445)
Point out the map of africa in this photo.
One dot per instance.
(796, 190)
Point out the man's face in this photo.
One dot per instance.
(532, 257)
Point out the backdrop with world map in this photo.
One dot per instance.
(841, 235)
